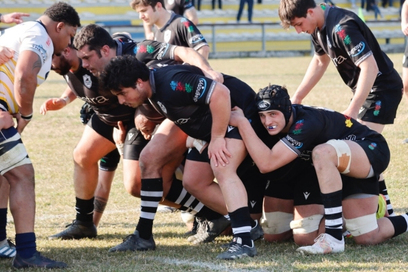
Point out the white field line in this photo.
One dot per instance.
(200, 265)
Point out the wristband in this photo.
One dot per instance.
(27, 117)
(66, 99)
(120, 148)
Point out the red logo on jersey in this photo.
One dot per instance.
(48, 42)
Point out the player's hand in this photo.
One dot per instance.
(52, 104)
(6, 120)
(214, 75)
(5, 54)
(236, 116)
(145, 126)
(14, 17)
(218, 152)
(119, 133)
(21, 123)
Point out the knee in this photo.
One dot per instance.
(133, 187)
(321, 154)
(80, 158)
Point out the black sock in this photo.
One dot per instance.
(84, 210)
(151, 193)
(400, 224)
(333, 214)
(3, 224)
(241, 225)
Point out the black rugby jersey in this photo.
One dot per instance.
(178, 6)
(180, 31)
(85, 85)
(348, 41)
(313, 126)
(182, 94)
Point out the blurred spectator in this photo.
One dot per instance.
(241, 8)
(219, 4)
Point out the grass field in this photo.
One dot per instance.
(50, 140)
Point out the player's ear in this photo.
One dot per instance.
(59, 27)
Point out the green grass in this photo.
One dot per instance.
(50, 140)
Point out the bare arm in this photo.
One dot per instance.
(404, 18)
(266, 159)
(25, 84)
(191, 14)
(204, 51)
(220, 107)
(368, 73)
(53, 104)
(189, 55)
(314, 73)
(15, 17)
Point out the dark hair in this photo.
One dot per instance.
(63, 12)
(123, 72)
(291, 9)
(137, 3)
(95, 37)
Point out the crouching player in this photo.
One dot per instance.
(339, 146)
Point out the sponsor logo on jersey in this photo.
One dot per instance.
(196, 38)
(41, 51)
(306, 155)
(357, 50)
(377, 108)
(87, 81)
(263, 105)
(200, 90)
(339, 60)
(162, 51)
(48, 42)
(306, 194)
(298, 127)
(342, 34)
(253, 203)
(182, 121)
(162, 107)
(293, 142)
(351, 137)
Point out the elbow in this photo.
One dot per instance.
(263, 169)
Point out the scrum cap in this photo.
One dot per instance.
(274, 97)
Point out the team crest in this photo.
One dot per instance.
(87, 81)
(167, 36)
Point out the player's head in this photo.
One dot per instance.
(94, 45)
(61, 21)
(274, 97)
(62, 12)
(63, 62)
(291, 9)
(137, 4)
(127, 78)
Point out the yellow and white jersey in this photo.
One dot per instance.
(26, 36)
